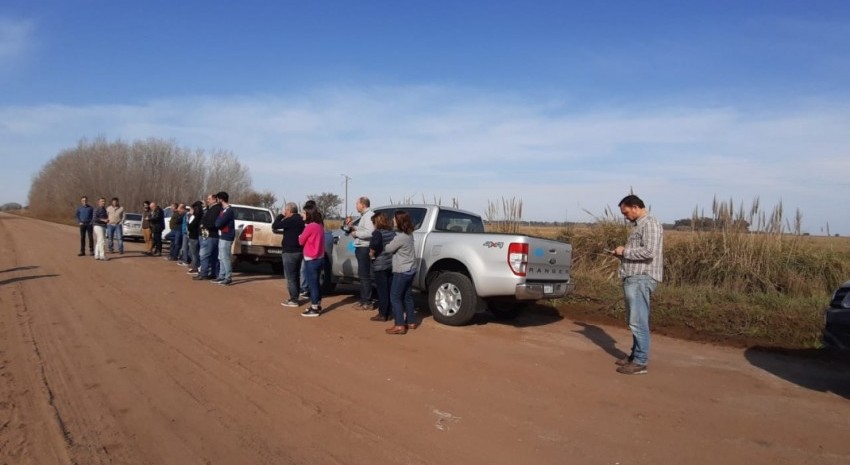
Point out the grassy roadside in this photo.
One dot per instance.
(725, 286)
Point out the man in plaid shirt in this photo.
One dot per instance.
(641, 269)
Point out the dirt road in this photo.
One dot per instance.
(131, 362)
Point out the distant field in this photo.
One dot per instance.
(838, 244)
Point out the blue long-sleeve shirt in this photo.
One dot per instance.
(226, 225)
(85, 214)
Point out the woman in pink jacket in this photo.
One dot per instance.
(313, 241)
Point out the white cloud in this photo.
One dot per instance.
(410, 142)
(16, 38)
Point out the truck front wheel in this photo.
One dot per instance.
(452, 299)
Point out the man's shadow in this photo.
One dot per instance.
(19, 268)
(599, 337)
(26, 278)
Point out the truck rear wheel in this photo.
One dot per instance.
(452, 298)
(325, 281)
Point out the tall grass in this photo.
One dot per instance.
(504, 216)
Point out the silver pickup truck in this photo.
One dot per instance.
(464, 270)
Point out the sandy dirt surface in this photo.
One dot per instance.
(131, 362)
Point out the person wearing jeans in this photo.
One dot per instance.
(382, 264)
(209, 267)
(641, 269)
(291, 225)
(193, 234)
(313, 241)
(226, 224)
(362, 234)
(115, 228)
(176, 225)
(404, 270)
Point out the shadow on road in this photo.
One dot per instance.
(26, 278)
(20, 268)
(599, 337)
(244, 279)
(350, 300)
(534, 315)
(818, 370)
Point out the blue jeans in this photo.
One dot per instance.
(313, 268)
(292, 272)
(176, 244)
(194, 253)
(364, 274)
(224, 259)
(115, 231)
(402, 299)
(209, 257)
(305, 287)
(184, 251)
(383, 282)
(637, 290)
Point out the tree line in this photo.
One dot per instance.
(151, 169)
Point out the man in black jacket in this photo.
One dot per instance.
(194, 233)
(291, 225)
(157, 222)
(209, 240)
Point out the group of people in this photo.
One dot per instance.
(99, 224)
(385, 257)
(204, 233)
(202, 236)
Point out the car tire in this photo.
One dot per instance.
(277, 267)
(452, 298)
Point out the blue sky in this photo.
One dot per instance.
(565, 105)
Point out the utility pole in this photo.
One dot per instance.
(347, 178)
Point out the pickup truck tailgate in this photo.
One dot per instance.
(548, 260)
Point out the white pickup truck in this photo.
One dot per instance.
(464, 270)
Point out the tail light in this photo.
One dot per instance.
(247, 233)
(518, 258)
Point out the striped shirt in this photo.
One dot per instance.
(644, 251)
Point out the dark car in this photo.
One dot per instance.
(836, 330)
